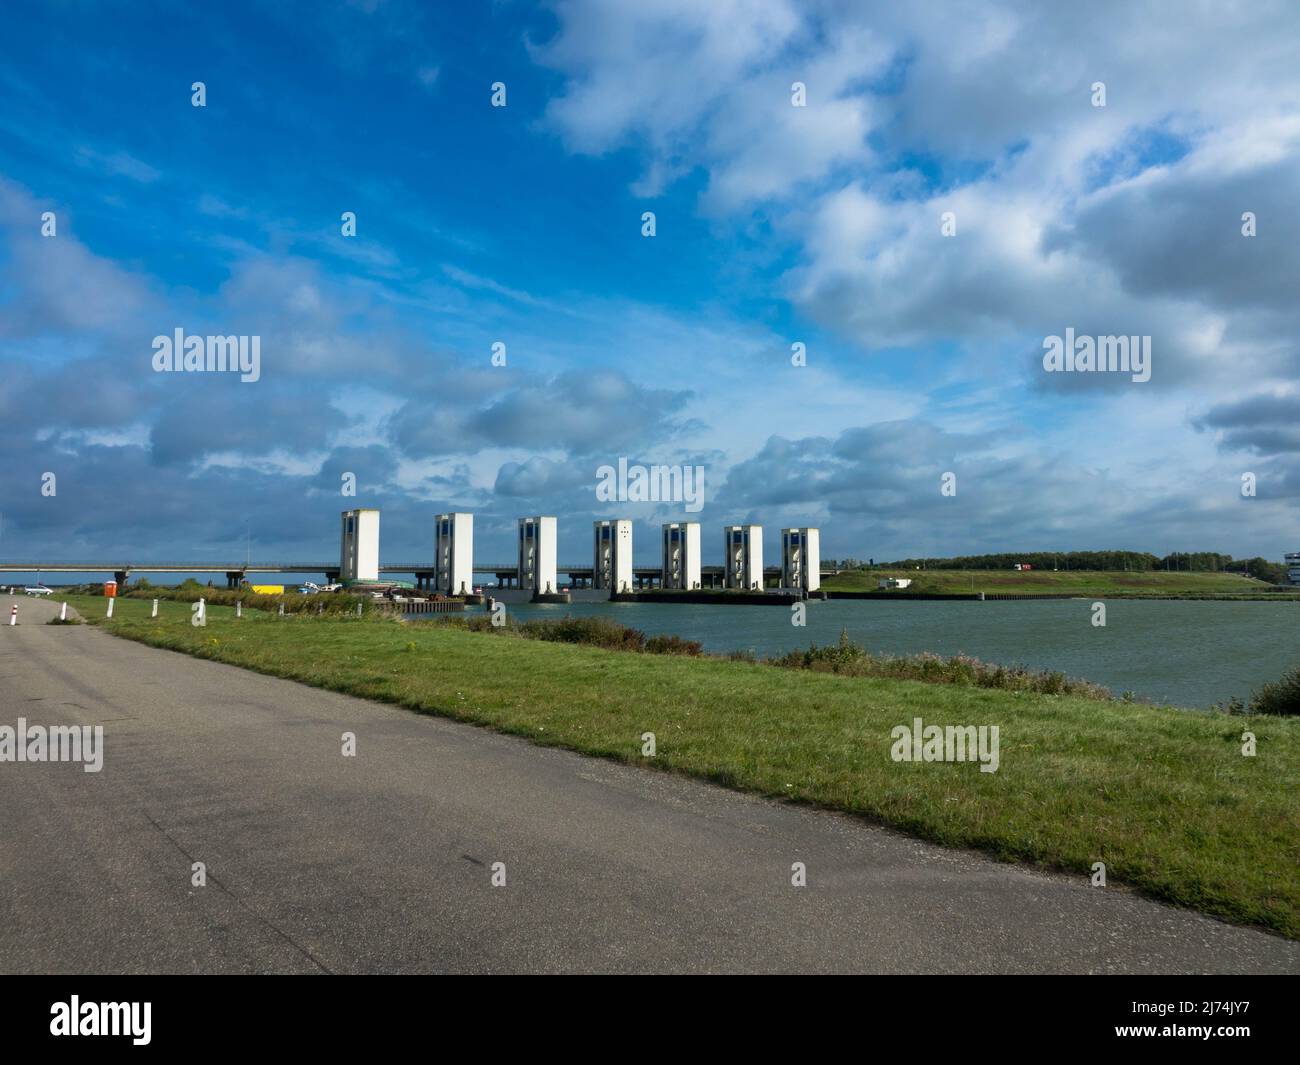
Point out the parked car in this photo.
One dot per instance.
(39, 590)
(307, 588)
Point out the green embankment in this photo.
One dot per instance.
(1049, 582)
(1165, 798)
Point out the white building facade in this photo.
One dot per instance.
(801, 559)
(612, 559)
(681, 555)
(453, 545)
(536, 571)
(359, 545)
(743, 557)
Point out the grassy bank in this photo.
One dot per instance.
(1112, 584)
(93, 608)
(1164, 797)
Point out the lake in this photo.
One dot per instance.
(1185, 653)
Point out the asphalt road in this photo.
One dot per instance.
(382, 862)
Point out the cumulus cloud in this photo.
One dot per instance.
(1123, 219)
(579, 412)
(1267, 423)
(206, 414)
(825, 221)
(536, 478)
(58, 286)
(884, 483)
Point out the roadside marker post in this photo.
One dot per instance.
(63, 612)
(110, 608)
(13, 614)
(239, 608)
(155, 609)
(281, 610)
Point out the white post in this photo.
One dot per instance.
(63, 611)
(155, 609)
(13, 614)
(281, 610)
(111, 601)
(358, 610)
(239, 608)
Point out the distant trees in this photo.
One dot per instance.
(1108, 560)
(1259, 568)
(1200, 561)
(1140, 561)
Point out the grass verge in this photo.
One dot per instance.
(1164, 797)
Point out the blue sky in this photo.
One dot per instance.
(522, 224)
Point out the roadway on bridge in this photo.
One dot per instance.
(383, 862)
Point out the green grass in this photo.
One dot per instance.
(94, 608)
(1164, 797)
(1049, 582)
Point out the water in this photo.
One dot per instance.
(1183, 653)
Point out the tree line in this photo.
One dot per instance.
(1139, 561)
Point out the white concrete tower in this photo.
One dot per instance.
(681, 555)
(454, 552)
(743, 557)
(612, 559)
(536, 570)
(801, 559)
(359, 545)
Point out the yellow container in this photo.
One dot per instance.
(268, 589)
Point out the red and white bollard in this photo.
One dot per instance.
(13, 614)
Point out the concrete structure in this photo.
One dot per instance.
(1293, 567)
(359, 545)
(681, 555)
(454, 553)
(536, 569)
(611, 567)
(742, 557)
(358, 558)
(424, 570)
(894, 582)
(801, 552)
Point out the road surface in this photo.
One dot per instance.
(383, 862)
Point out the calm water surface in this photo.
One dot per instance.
(1183, 653)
